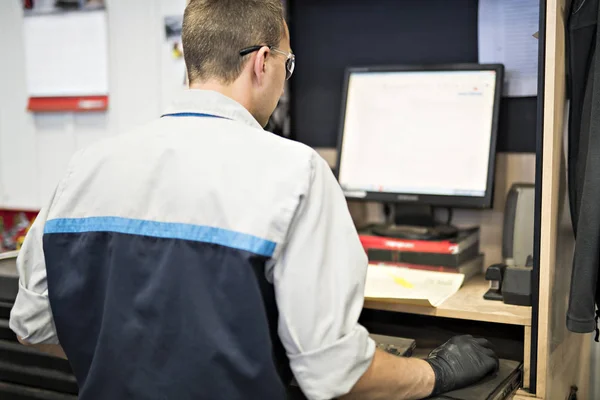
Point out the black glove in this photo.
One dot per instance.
(460, 362)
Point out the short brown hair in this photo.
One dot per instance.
(214, 32)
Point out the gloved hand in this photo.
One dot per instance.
(460, 362)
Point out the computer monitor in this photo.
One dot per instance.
(424, 135)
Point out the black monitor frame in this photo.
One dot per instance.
(424, 199)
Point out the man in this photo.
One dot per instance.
(200, 257)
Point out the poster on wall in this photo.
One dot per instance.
(507, 35)
(173, 26)
(66, 55)
(173, 70)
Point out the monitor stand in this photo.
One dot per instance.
(416, 223)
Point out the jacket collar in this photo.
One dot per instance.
(213, 103)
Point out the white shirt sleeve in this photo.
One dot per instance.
(31, 317)
(319, 281)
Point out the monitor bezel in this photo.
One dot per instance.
(485, 201)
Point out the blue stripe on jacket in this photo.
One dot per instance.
(166, 230)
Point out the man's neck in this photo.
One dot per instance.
(233, 91)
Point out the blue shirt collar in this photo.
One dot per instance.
(213, 103)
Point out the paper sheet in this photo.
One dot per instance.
(506, 29)
(67, 54)
(410, 286)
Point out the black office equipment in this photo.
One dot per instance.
(510, 284)
(412, 232)
(499, 386)
(511, 281)
(495, 274)
(420, 134)
(517, 232)
(398, 346)
(516, 286)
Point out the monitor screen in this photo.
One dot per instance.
(421, 135)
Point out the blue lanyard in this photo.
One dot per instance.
(192, 114)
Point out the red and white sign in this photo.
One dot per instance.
(73, 103)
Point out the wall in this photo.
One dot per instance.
(35, 148)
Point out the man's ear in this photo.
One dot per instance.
(260, 64)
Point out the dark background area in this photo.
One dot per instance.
(329, 35)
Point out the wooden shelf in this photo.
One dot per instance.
(467, 303)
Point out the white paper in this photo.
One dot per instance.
(506, 29)
(66, 54)
(411, 286)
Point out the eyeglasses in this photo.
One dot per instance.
(290, 62)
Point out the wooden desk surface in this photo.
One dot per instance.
(468, 303)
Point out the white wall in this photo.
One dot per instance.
(35, 148)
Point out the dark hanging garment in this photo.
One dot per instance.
(583, 87)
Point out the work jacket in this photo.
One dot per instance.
(198, 257)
